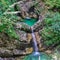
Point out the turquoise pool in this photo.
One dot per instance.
(30, 21)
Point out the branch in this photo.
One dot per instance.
(12, 12)
(13, 5)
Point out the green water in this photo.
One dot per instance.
(30, 22)
(42, 56)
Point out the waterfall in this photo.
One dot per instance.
(34, 43)
(36, 55)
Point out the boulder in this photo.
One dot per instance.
(5, 53)
(22, 26)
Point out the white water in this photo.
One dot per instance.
(36, 53)
(34, 41)
(39, 58)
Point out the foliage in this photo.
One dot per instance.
(6, 26)
(51, 31)
(4, 4)
(52, 3)
(7, 21)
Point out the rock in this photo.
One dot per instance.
(41, 49)
(10, 58)
(12, 44)
(1, 43)
(24, 6)
(1, 58)
(18, 52)
(4, 52)
(29, 37)
(4, 35)
(18, 25)
(48, 51)
(22, 35)
(22, 25)
(38, 38)
(35, 16)
(19, 58)
(29, 50)
(39, 24)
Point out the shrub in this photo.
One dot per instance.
(6, 26)
(51, 30)
(52, 3)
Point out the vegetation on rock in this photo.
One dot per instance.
(51, 30)
(52, 3)
(7, 21)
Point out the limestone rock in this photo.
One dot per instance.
(4, 52)
(22, 35)
(29, 37)
(29, 50)
(1, 43)
(19, 58)
(18, 52)
(1, 58)
(10, 58)
(48, 51)
(22, 25)
(38, 38)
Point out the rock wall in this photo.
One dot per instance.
(11, 49)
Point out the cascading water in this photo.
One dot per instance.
(36, 55)
(35, 47)
(34, 41)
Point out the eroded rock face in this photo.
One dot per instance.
(22, 26)
(25, 5)
(12, 47)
